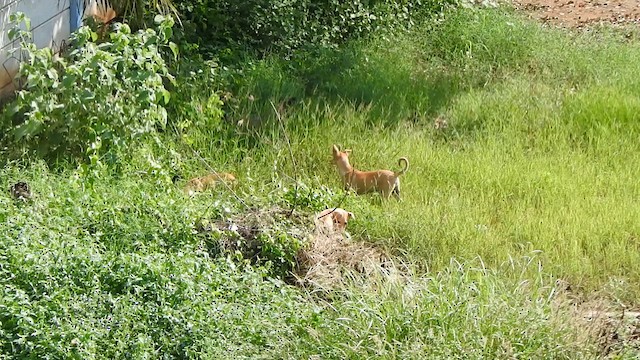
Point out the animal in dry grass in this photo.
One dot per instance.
(333, 220)
(102, 14)
(209, 181)
(385, 182)
(20, 191)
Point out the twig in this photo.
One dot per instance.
(293, 160)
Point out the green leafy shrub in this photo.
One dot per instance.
(265, 239)
(278, 250)
(99, 97)
(309, 198)
(265, 25)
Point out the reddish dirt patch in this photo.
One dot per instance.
(578, 13)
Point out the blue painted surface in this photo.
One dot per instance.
(75, 18)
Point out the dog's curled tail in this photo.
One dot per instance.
(406, 165)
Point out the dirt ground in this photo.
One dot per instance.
(578, 13)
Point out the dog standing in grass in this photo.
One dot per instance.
(209, 181)
(385, 182)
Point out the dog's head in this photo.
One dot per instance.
(227, 177)
(334, 219)
(341, 218)
(340, 157)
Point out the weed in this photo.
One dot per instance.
(81, 105)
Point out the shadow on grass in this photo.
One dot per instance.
(393, 87)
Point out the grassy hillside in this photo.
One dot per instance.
(538, 156)
(532, 181)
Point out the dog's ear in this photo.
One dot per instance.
(348, 151)
(335, 150)
(351, 216)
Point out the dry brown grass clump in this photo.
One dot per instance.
(609, 327)
(326, 259)
(330, 258)
(615, 332)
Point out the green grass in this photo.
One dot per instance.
(538, 157)
(118, 269)
(534, 180)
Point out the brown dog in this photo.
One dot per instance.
(332, 220)
(386, 182)
(207, 182)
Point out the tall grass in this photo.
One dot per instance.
(538, 156)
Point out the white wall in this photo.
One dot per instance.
(50, 26)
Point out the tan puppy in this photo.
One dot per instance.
(207, 182)
(386, 182)
(331, 220)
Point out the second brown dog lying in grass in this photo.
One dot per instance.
(386, 182)
(333, 220)
(209, 181)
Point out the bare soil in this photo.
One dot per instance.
(580, 13)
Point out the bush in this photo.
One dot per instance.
(265, 25)
(99, 97)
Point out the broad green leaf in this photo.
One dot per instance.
(174, 50)
(166, 96)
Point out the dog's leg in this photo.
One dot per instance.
(396, 190)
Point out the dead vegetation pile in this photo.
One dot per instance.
(331, 258)
(246, 233)
(606, 324)
(616, 333)
(324, 260)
